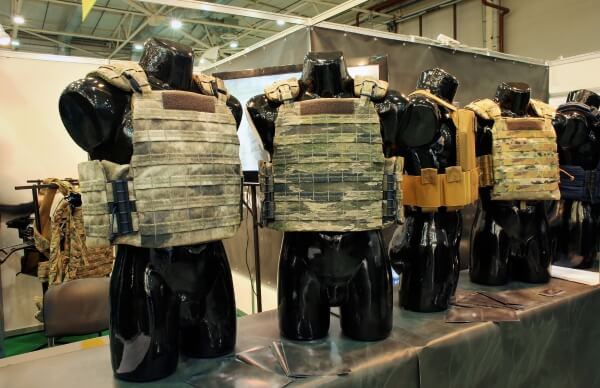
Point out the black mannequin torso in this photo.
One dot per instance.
(425, 249)
(510, 239)
(577, 225)
(318, 270)
(161, 302)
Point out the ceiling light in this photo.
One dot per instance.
(4, 37)
(15, 43)
(176, 24)
(138, 47)
(233, 44)
(280, 23)
(18, 20)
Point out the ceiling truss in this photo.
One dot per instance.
(114, 27)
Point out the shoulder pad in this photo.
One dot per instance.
(370, 87)
(125, 75)
(542, 109)
(211, 86)
(485, 108)
(436, 99)
(281, 91)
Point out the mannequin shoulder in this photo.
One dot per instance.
(236, 109)
(393, 101)
(261, 108)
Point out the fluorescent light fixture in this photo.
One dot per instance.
(176, 24)
(233, 44)
(138, 47)
(18, 20)
(15, 43)
(280, 22)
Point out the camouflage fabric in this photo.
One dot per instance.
(69, 256)
(457, 187)
(184, 180)
(524, 160)
(328, 171)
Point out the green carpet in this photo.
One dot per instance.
(29, 342)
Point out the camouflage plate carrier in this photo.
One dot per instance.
(524, 161)
(69, 257)
(183, 185)
(328, 172)
(457, 187)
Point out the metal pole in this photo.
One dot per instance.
(256, 248)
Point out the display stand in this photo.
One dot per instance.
(251, 181)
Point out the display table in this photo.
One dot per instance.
(556, 343)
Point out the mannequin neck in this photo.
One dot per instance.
(513, 97)
(584, 96)
(325, 74)
(169, 65)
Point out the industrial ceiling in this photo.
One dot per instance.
(116, 28)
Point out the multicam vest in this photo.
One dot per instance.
(524, 161)
(458, 185)
(183, 185)
(69, 257)
(576, 183)
(328, 172)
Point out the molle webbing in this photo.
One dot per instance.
(578, 184)
(524, 160)
(328, 172)
(183, 185)
(458, 185)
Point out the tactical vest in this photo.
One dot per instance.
(328, 172)
(183, 185)
(576, 183)
(458, 185)
(524, 161)
(69, 257)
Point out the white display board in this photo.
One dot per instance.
(578, 72)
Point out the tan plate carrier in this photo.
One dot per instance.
(328, 172)
(458, 185)
(183, 185)
(524, 161)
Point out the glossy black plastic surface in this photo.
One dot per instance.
(163, 301)
(576, 231)
(425, 250)
(319, 270)
(509, 239)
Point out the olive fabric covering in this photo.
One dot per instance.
(524, 160)
(458, 186)
(183, 185)
(328, 172)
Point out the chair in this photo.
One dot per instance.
(76, 307)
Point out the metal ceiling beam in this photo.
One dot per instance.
(137, 31)
(128, 12)
(59, 43)
(231, 10)
(312, 21)
(64, 33)
(16, 10)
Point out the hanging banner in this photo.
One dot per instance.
(86, 7)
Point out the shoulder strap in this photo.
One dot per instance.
(125, 75)
(369, 88)
(283, 91)
(486, 109)
(438, 100)
(542, 109)
(211, 86)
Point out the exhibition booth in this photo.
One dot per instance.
(332, 205)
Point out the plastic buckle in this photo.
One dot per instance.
(134, 84)
(121, 210)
